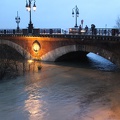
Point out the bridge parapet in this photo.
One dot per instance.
(64, 36)
(38, 31)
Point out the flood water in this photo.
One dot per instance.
(63, 91)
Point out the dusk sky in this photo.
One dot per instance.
(58, 13)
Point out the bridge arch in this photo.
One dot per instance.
(58, 52)
(17, 47)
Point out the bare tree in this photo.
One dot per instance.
(118, 23)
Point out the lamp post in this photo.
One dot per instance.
(28, 8)
(17, 18)
(75, 11)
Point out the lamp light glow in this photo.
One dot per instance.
(36, 46)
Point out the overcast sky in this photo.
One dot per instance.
(58, 13)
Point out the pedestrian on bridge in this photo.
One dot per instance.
(86, 29)
(93, 29)
(80, 28)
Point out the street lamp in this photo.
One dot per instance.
(17, 21)
(75, 11)
(28, 8)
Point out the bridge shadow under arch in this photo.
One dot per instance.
(12, 50)
(75, 56)
(7, 52)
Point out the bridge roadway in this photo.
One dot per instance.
(53, 46)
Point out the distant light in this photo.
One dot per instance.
(83, 31)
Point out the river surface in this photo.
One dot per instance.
(63, 91)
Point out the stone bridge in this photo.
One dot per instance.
(51, 47)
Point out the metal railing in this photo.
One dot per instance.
(71, 31)
(96, 31)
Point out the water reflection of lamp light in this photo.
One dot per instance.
(30, 61)
(34, 106)
(36, 46)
